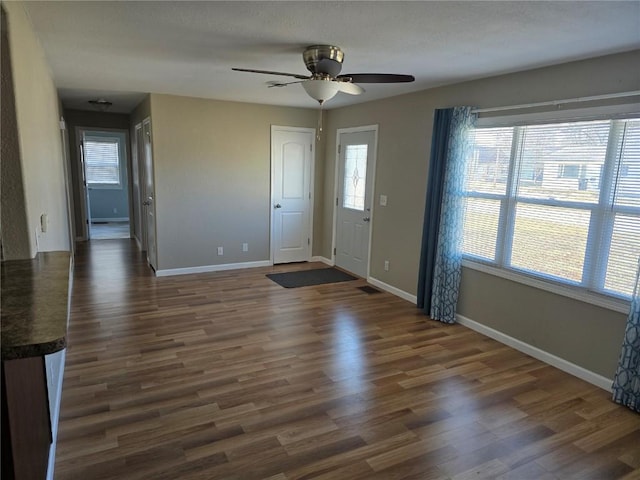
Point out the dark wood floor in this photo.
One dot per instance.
(230, 376)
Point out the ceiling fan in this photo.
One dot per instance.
(325, 63)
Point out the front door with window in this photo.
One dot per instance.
(355, 190)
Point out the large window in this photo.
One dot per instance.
(559, 202)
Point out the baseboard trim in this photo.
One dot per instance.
(110, 219)
(393, 290)
(539, 354)
(212, 268)
(322, 259)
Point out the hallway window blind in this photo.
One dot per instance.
(560, 202)
(102, 161)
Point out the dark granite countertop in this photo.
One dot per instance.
(35, 305)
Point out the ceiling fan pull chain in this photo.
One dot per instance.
(319, 121)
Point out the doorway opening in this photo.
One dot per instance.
(105, 183)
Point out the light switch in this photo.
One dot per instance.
(383, 200)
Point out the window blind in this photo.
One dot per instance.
(558, 201)
(102, 161)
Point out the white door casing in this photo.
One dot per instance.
(291, 198)
(85, 204)
(136, 185)
(354, 198)
(149, 196)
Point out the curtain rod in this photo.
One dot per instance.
(558, 102)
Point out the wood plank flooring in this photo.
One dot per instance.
(229, 376)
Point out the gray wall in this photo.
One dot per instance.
(109, 204)
(97, 120)
(212, 178)
(580, 333)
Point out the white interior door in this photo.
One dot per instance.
(291, 161)
(356, 161)
(149, 196)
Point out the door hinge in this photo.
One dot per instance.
(336, 201)
(339, 148)
(309, 195)
(334, 250)
(311, 147)
(308, 241)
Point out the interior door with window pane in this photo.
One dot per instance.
(355, 189)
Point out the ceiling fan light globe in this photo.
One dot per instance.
(320, 90)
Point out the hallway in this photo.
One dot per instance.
(229, 376)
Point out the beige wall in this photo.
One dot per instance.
(38, 129)
(15, 234)
(212, 178)
(583, 334)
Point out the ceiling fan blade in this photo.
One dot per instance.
(268, 72)
(377, 78)
(350, 88)
(275, 83)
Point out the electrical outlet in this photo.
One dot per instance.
(383, 200)
(115, 210)
(245, 247)
(386, 265)
(220, 251)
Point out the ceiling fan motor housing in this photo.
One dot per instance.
(323, 60)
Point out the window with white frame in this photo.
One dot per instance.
(102, 162)
(560, 202)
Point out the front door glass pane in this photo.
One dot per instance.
(355, 176)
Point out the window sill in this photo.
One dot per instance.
(105, 186)
(604, 301)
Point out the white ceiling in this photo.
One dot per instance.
(121, 50)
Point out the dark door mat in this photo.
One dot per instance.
(369, 290)
(305, 278)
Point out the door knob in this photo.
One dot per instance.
(277, 205)
(146, 203)
(366, 219)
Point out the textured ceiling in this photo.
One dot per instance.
(121, 50)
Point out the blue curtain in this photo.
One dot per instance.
(626, 383)
(440, 259)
